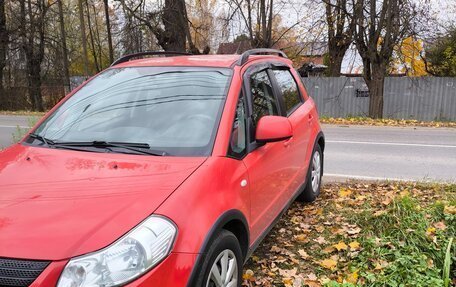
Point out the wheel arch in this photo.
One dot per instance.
(320, 140)
(232, 220)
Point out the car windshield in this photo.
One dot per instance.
(174, 110)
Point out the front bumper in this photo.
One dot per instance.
(174, 271)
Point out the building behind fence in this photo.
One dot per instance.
(424, 98)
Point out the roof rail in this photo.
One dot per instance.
(128, 57)
(262, 51)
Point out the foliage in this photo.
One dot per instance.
(408, 58)
(441, 56)
(361, 234)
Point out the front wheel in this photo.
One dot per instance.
(314, 174)
(223, 264)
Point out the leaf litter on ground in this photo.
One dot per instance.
(361, 234)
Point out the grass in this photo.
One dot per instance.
(385, 122)
(363, 234)
(22, 113)
(20, 132)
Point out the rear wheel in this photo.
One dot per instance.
(223, 264)
(314, 174)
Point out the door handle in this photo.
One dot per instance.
(310, 117)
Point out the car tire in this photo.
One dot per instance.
(314, 174)
(223, 258)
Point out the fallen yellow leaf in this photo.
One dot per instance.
(430, 231)
(329, 264)
(345, 192)
(248, 275)
(340, 246)
(354, 245)
(450, 209)
(301, 238)
(287, 281)
(320, 229)
(353, 278)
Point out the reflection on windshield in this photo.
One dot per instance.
(175, 110)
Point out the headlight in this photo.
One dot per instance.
(126, 259)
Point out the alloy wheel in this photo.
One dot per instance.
(224, 271)
(316, 171)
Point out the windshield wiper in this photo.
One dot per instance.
(142, 148)
(46, 141)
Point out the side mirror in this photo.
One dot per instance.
(273, 129)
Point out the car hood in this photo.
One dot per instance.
(57, 204)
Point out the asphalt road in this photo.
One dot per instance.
(362, 152)
(394, 153)
(9, 125)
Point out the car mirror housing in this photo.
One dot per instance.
(273, 129)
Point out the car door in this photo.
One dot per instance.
(299, 114)
(268, 165)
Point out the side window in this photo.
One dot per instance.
(289, 89)
(238, 140)
(263, 101)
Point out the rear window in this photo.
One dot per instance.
(173, 109)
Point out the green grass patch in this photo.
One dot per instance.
(363, 234)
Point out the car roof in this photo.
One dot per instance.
(223, 61)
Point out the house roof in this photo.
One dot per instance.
(234, 47)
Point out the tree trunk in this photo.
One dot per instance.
(34, 81)
(108, 29)
(66, 73)
(3, 42)
(336, 56)
(376, 86)
(92, 41)
(85, 56)
(32, 31)
(174, 36)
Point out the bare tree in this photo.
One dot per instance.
(83, 38)
(169, 23)
(63, 39)
(379, 27)
(257, 16)
(340, 33)
(3, 42)
(108, 29)
(32, 31)
(92, 38)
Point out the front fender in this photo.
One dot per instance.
(202, 199)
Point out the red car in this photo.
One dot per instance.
(165, 171)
